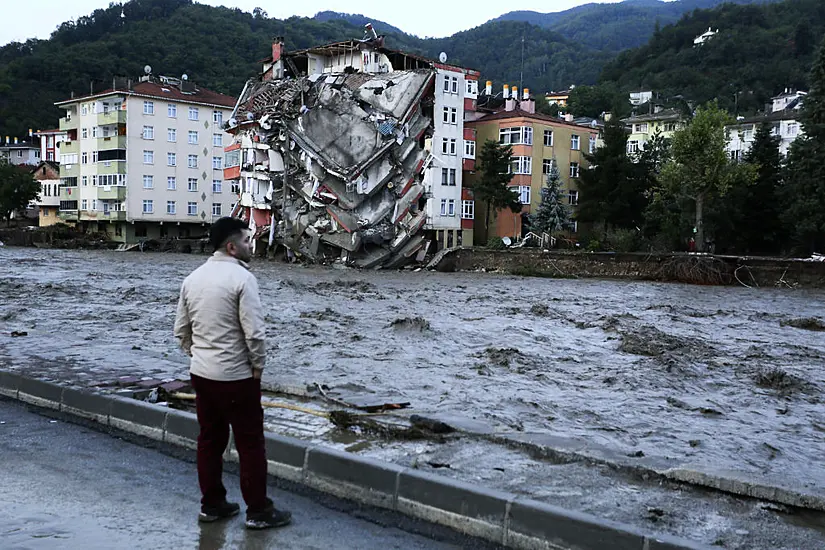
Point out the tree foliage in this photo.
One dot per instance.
(492, 187)
(18, 189)
(552, 214)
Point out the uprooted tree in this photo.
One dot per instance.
(552, 215)
(492, 187)
(18, 188)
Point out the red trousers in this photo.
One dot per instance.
(237, 404)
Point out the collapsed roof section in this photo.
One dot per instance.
(337, 160)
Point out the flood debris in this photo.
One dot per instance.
(777, 379)
(331, 165)
(805, 323)
(411, 323)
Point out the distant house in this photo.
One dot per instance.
(20, 152)
(640, 98)
(704, 37)
(558, 98)
(783, 120)
(644, 127)
(47, 173)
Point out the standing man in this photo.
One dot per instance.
(220, 325)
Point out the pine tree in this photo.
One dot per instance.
(552, 215)
(804, 213)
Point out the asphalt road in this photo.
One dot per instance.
(66, 486)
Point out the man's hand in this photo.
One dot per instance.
(256, 373)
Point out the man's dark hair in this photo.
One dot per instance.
(224, 229)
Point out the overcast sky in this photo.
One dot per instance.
(38, 18)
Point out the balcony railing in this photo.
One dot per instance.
(68, 124)
(111, 192)
(112, 117)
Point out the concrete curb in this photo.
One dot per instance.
(495, 516)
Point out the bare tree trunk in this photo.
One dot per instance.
(700, 229)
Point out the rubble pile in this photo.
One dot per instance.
(331, 165)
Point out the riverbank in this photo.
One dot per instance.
(675, 267)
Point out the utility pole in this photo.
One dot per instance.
(521, 76)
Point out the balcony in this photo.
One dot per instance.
(68, 193)
(67, 124)
(111, 167)
(111, 142)
(112, 117)
(112, 216)
(111, 193)
(68, 215)
(69, 147)
(69, 170)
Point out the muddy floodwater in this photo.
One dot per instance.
(719, 378)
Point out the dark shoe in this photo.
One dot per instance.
(269, 518)
(221, 511)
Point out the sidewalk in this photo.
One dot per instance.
(65, 486)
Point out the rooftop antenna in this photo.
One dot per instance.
(521, 76)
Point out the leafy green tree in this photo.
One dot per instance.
(700, 168)
(492, 187)
(804, 214)
(552, 215)
(18, 188)
(592, 101)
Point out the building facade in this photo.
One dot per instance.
(47, 173)
(145, 161)
(21, 152)
(49, 140)
(644, 127)
(783, 121)
(539, 143)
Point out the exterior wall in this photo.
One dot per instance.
(19, 155)
(47, 215)
(741, 136)
(665, 128)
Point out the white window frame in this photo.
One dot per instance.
(189, 185)
(192, 208)
(217, 117)
(469, 149)
(217, 209)
(575, 142)
(172, 110)
(192, 161)
(171, 183)
(572, 197)
(443, 207)
(217, 186)
(192, 137)
(445, 176)
(217, 163)
(632, 147)
(148, 181)
(217, 140)
(451, 207)
(148, 107)
(591, 146)
(148, 132)
(84, 133)
(171, 159)
(574, 169)
(172, 135)
(148, 157)
(523, 192)
(516, 135)
(194, 113)
(148, 206)
(521, 165)
(547, 166)
(468, 210)
(171, 208)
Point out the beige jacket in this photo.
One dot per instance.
(220, 321)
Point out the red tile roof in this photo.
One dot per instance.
(165, 91)
(518, 113)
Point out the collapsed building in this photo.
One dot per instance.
(331, 150)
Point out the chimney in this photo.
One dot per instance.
(608, 116)
(529, 106)
(526, 93)
(15, 140)
(506, 92)
(488, 88)
(510, 104)
(514, 93)
(277, 49)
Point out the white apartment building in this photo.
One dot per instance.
(145, 161)
(783, 120)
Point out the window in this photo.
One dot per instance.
(217, 117)
(453, 115)
(468, 209)
(84, 204)
(216, 209)
(193, 137)
(171, 183)
(519, 135)
(448, 146)
(445, 176)
(451, 207)
(191, 208)
(523, 193)
(148, 157)
(443, 207)
(521, 165)
(235, 187)
(446, 85)
(573, 197)
(574, 169)
(217, 140)
(94, 131)
(148, 206)
(94, 204)
(192, 161)
(148, 182)
(793, 128)
(171, 159)
(670, 126)
(148, 132)
(446, 115)
(85, 109)
(454, 85)
(94, 180)
(148, 107)
(632, 146)
(94, 156)
(546, 166)
(193, 113)
(84, 133)
(592, 145)
(171, 207)
(172, 110)
(469, 149)
(217, 186)
(640, 128)
(171, 135)
(193, 184)
(574, 142)
(84, 158)
(85, 180)
(748, 135)
(217, 163)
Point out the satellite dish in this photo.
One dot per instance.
(147, 69)
(185, 77)
(442, 57)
